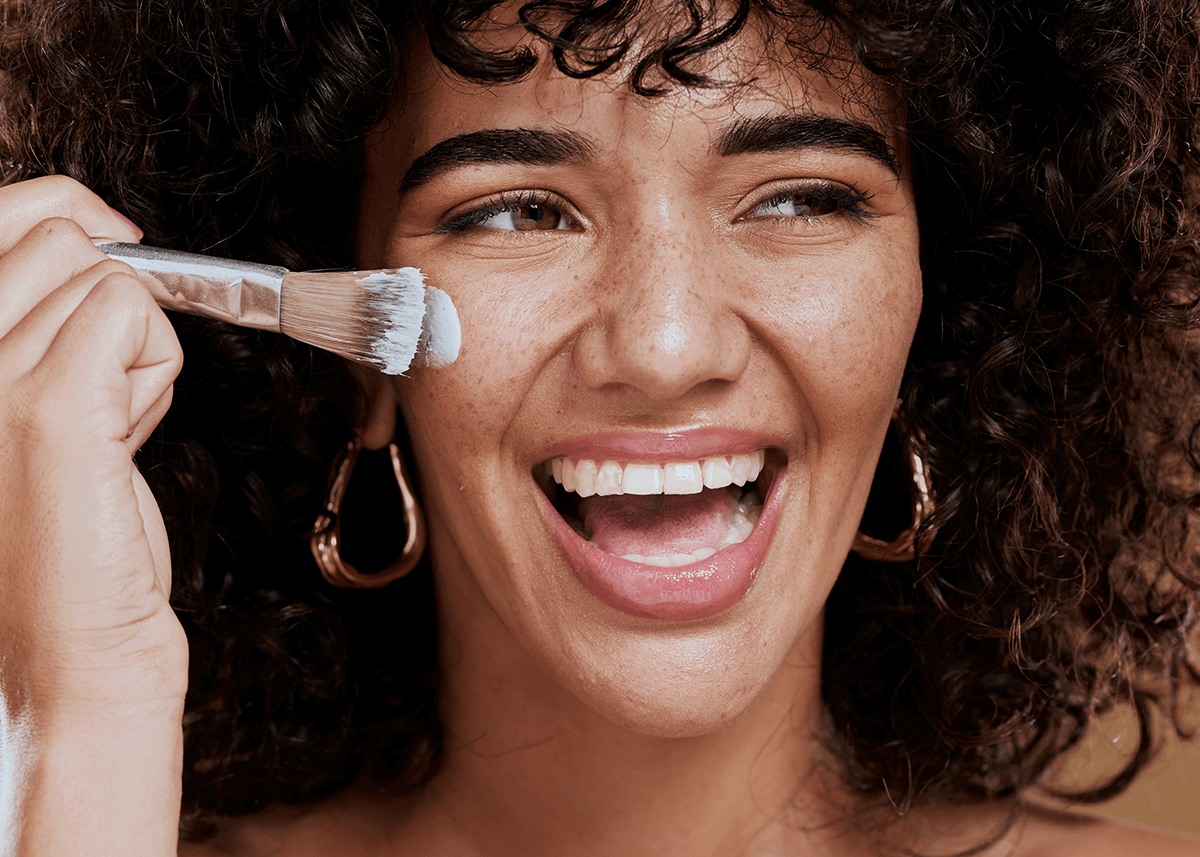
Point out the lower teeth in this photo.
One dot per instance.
(744, 519)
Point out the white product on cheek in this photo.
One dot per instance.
(441, 334)
(433, 338)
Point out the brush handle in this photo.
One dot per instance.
(244, 293)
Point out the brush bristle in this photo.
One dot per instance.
(372, 317)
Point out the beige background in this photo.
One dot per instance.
(1166, 796)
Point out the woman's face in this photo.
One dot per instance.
(657, 295)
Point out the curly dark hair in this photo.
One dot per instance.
(1052, 378)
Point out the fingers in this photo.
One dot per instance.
(34, 328)
(156, 533)
(67, 308)
(28, 203)
(149, 420)
(152, 374)
(53, 251)
(46, 231)
(119, 351)
(97, 353)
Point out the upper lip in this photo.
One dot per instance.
(661, 446)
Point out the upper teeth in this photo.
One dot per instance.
(585, 477)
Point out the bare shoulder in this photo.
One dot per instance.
(1049, 833)
(1030, 830)
(344, 825)
(274, 832)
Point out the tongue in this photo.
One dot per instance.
(659, 524)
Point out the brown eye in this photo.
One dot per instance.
(798, 205)
(518, 211)
(813, 202)
(526, 218)
(520, 216)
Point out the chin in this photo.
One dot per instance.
(685, 709)
(699, 681)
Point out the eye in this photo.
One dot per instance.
(813, 202)
(526, 218)
(524, 211)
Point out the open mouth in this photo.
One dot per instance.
(668, 515)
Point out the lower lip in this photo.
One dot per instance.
(682, 594)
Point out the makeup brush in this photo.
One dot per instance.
(386, 319)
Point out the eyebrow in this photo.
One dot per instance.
(525, 146)
(780, 133)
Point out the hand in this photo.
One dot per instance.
(87, 363)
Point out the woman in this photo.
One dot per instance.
(686, 240)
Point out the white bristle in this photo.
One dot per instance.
(397, 300)
(373, 317)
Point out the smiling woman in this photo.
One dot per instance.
(677, 314)
(710, 261)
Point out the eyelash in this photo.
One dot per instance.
(849, 202)
(508, 201)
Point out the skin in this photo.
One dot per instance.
(675, 300)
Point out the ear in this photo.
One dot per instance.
(379, 418)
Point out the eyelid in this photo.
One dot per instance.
(850, 200)
(477, 212)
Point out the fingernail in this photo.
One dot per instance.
(127, 221)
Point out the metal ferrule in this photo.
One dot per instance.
(244, 293)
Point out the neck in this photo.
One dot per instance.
(530, 765)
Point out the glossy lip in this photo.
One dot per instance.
(685, 593)
(661, 447)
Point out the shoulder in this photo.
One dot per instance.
(1048, 833)
(343, 825)
(1037, 831)
(274, 832)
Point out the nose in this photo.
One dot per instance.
(668, 317)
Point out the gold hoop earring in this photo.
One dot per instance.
(327, 531)
(903, 548)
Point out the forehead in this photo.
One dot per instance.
(758, 73)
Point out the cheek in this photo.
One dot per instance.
(518, 322)
(848, 336)
(449, 415)
(475, 397)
